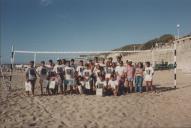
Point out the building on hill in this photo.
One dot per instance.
(186, 39)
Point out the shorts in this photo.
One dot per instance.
(69, 82)
(32, 82)
(148, 78)
(108, 76)
(43, 77)
(130, 79)
(113, 86)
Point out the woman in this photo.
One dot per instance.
(139, 77)
(148, 76)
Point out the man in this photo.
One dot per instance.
(72, 64)
(51, 74)
(58, 69)
(69, 77)
(80, 68)
(31, 76)
(43, 74)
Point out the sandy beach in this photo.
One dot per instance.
(165, 109)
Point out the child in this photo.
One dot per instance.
(80, 84)
(43, 74)
(31, 76)
(113, 85)
(139, 77)
(130, 76)
(148, 76)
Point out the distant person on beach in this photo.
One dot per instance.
(148, 76)
(43, 74)
(31, 76)
(139, 77)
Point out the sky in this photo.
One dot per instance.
(86, 25)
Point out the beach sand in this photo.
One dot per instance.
(166, 108)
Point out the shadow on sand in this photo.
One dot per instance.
(165, 89)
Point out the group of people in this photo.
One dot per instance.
(85, 77)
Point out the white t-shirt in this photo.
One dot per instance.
(108, 71)
(58, 69)
(120, 70)
(42, 71)
(69, 73)
(101, 84)
(31, 73)
(113, 83)
(80, 70)
(50, 68)
(148, 73)
(96, 71)
(63, 67)
(102, 65)
(87, 73)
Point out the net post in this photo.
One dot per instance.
(12, 60)
(175, 54)
(12, 57)
(175, 64)
(153, 59)
(34, 59)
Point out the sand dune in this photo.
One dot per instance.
(167, 108)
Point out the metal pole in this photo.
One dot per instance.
(12, 61)
(34, 59)
(12, 57)
(153, 59)
(175, 53)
